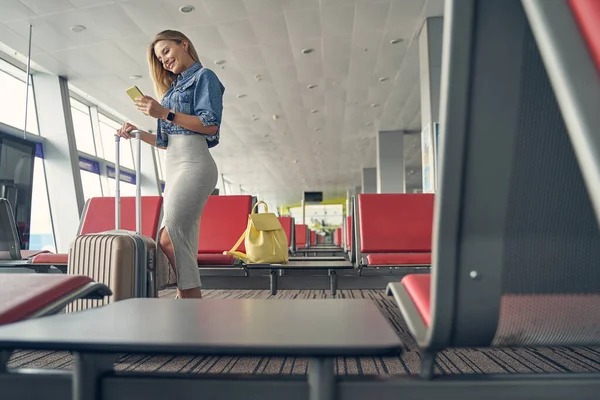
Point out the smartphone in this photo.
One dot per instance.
(134, 92)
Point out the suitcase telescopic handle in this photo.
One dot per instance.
(138, 184)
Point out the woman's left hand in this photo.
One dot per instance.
(150, 107)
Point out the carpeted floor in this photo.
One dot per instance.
(459, 361)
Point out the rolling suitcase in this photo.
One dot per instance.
(123, 260)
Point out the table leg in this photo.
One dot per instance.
(332, 282)
(273, 281)
(321, 379)
(4, 357)
(87, 374)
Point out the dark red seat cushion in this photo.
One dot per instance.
(215, 259)
(418, 287)
(24, 294)
(100, 215)
(223, 221)
(395, 223)
(51, 258)
(301, 236)
(349, 232)
(286, 224)
(337, 238)
(587, 15)
(26, 254)
(399, 259)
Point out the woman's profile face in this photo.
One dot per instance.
(172, 55)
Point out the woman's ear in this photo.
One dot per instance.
(185, 45)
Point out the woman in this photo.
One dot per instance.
(189, 118)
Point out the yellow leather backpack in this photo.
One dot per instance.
(264, 239)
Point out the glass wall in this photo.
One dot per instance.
(12, 108)
(41, 235)
(108, 129)
(16, 175)
(82, 124)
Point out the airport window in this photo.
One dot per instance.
(228, 186)
(127, 182)
(82, 125)
(107, 132)
(16, 165)
(12, 108)
(91, 185)
(41, 236)
(127, 189)
(90, 178)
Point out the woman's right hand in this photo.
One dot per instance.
(125, 130)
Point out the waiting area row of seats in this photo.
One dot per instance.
(392, 229)
(514, 250)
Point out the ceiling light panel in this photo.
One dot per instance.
(205, 38)
(229, 10)
(44, 7)
(15, 10)
(46, 37)
(303, 24)
(278, 55)
(337, 21)
(139, 17)
(238, 34)
(270, 29)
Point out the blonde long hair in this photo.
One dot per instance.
(161, 77)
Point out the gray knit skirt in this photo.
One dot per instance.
(190, 177)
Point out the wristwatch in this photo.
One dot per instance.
(170, 116)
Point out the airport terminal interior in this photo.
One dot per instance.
(407, 200)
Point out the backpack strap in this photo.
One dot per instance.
(238, 254)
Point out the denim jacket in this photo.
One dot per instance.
(196, 91)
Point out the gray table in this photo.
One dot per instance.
(316, 328)
(330, 266)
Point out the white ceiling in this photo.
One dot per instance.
(280, 157)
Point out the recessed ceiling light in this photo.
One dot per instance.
(374, 105)
(241, 96)
(368, 124)
(134, 77)
(254, 118)
(186, 9)
(311, 86)
(397, 40)
(77, 28)
(317, 129)
(307, 51)
(383, 79)
(314, 111)
(220, 62)
(275, 116)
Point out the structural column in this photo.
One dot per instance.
(390, 162)
(369, 180)
(430, 69)
(61, 159)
